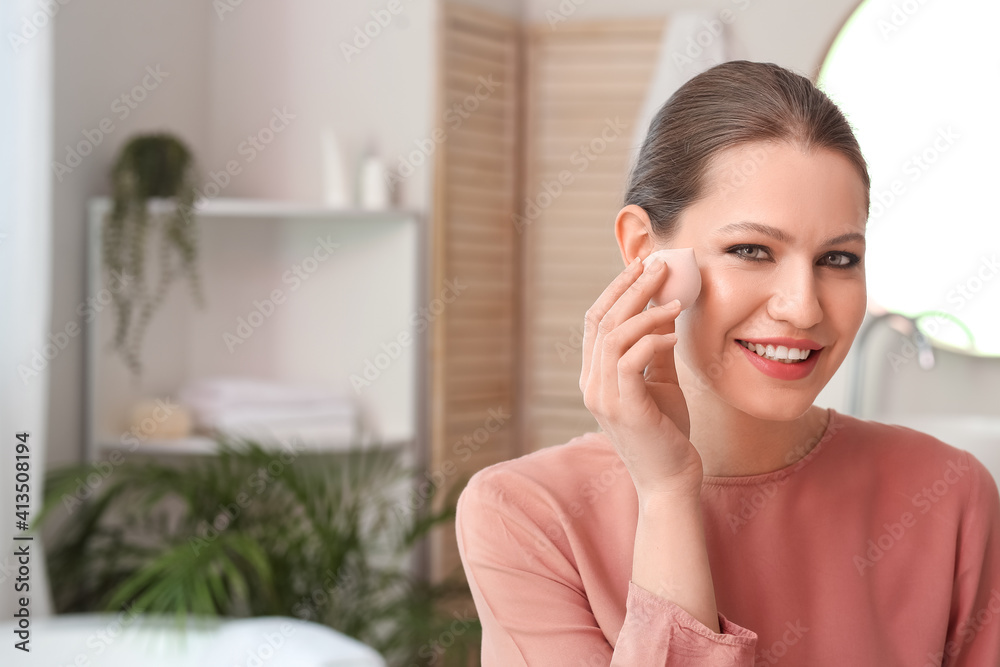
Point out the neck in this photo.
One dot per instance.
(733, 443)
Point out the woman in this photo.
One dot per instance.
(719, 517)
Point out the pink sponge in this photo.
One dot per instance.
(683, 277)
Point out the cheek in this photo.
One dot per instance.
(846, 307)
(726, 299)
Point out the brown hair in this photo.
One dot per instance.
(733, 103)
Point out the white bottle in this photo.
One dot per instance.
(373, 191)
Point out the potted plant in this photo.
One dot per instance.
(149, 166)
(324, 537)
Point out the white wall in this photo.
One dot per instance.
(790, 33)
(102, 50)
(224, 74)
(290, 56)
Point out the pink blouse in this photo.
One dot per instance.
(880, 547)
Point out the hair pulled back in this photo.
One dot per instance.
(732, 104)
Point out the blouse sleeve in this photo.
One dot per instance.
(533, 607)
(974, 626)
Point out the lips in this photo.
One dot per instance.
(783, 370)
(801, 343)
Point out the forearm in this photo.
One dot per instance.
(671, 556)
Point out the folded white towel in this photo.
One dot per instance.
(343, 412)
(314, 435)
(231, 401)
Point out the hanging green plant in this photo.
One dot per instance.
(149, 166)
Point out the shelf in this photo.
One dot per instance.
(203, 445)
(290, 296)
(264, 208)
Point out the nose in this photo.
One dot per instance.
(795, 298)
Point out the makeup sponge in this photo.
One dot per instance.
(683, 277)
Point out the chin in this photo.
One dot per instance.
(791, 409)
(732, 380)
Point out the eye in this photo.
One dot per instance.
(842, 260)
(749, 252)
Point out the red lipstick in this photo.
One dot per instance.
(780, 370)
(801, 343)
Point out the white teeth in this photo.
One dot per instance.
(788, 355)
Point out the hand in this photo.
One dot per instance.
(629, 383)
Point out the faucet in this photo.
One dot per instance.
(905, 325)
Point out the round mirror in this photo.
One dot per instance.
(918, 82)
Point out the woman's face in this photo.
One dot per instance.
(779, 240)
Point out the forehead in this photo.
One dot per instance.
(783, 184)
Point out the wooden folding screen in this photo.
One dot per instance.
(527, 187)
(586, 83)
(473, 371)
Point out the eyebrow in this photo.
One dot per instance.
(782, 236)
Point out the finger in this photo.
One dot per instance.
(598, 310)
(632, 368)
(611, 343)
(638, 294)
(655, 320)
(662, 368)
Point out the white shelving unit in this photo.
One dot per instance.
(351, 284)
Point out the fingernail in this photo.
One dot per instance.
(676, 303)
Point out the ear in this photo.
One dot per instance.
(634, 232)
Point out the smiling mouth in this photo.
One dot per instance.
(778, 353)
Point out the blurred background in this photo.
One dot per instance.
(363, 236)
